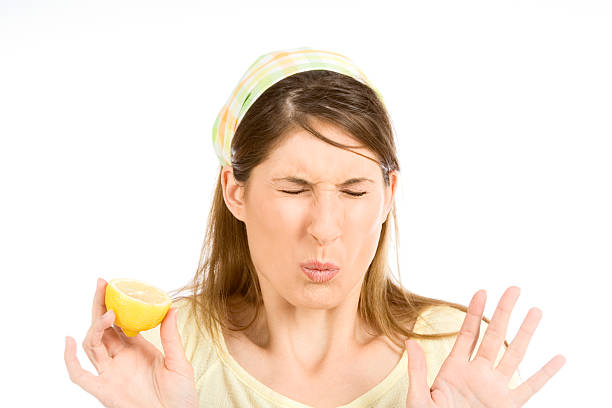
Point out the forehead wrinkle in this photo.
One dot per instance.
(300, 181)
(296, 170)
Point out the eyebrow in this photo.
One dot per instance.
(349, 182)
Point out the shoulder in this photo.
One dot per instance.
(186, 326)
(443, 319)
(439, 319)
(153, 335)
(198, 348)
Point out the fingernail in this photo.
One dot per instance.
(108, 313)
(99, 282)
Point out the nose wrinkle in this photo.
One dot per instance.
(325, 222)
(318, 203)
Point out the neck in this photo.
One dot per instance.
(311, 339)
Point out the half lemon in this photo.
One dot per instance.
(138, 306)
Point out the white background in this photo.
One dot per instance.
(503, 114)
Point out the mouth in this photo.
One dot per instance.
(320, 275)
(319, 265)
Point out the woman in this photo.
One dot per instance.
(293, 303)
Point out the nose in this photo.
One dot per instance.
(327, 216)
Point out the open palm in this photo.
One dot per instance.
(479, 383)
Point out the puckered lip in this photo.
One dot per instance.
(319, 265)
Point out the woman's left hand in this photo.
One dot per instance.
(462, 383)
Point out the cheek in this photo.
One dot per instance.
(288, 216)
(272, 228)
(362, 232)
(362, 220)
(280, 218)
(276, 220)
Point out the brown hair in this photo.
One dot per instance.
(225, 270)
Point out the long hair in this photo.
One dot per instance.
(225, 270)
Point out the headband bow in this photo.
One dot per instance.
(265, 72)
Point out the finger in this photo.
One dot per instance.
(130, 341)
(82, 378)
(99, 305)
(93, 346)
(418, 390)
(517, 349)
(470, 329)
(174, 354)
(527, 389)
(113, 341)
(496, 330)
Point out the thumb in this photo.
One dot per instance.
(171, 342)
(418, 390)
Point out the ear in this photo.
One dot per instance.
(390, 193)
(233, 192)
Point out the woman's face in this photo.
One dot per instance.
(289, 222)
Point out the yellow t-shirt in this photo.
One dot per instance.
(222, 383)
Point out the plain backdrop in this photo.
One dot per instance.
(503, 118)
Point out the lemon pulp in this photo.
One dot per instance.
(138, 306)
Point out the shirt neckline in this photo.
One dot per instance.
(268, 393)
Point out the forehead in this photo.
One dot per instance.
(302, 154)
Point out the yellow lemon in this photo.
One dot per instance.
(137, 305)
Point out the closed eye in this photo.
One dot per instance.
(354, 194)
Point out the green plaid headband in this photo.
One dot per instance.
(265, 72)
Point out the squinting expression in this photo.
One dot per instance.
(313, 201)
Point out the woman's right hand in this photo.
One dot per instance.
(132, 372)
